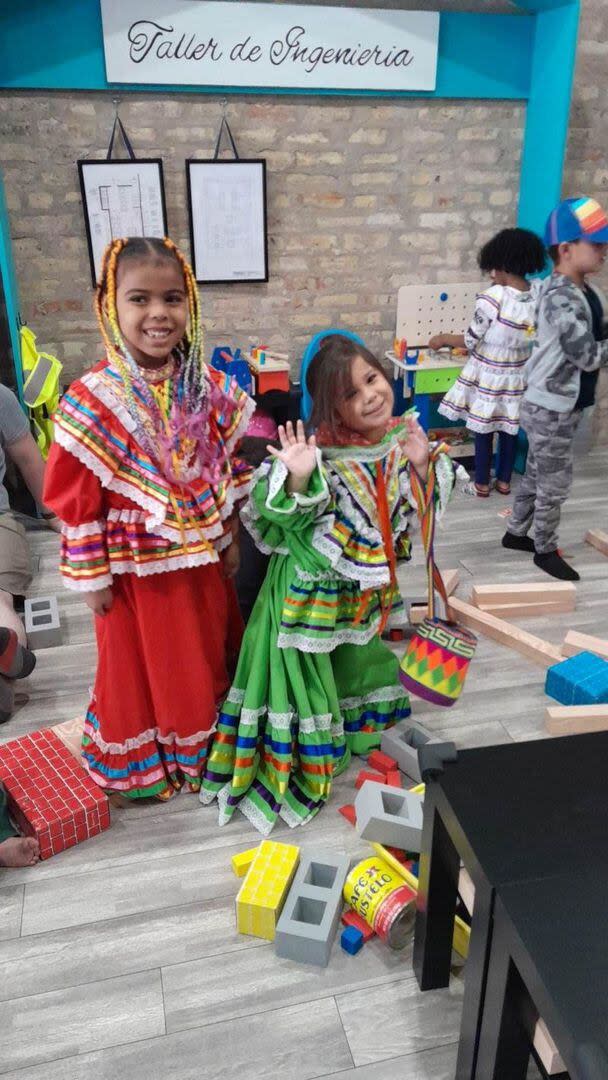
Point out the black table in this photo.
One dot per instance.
(511, 813)
(549, 955)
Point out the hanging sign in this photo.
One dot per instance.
(299, 46)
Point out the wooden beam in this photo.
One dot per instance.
(532, 647)
(419, 608)
(515, 611)
(451, 579)
(598, 539)
(554, 592)
(576, 719)
(575, 643)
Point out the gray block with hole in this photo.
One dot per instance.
(42, 626)
(402, 743)
(389, 816)
(309, 920)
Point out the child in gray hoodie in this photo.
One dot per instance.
(561, 376)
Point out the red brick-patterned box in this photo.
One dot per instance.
(49, 794)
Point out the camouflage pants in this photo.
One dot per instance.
(548, 478)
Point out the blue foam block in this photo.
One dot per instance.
(579, 680)
(351, 940)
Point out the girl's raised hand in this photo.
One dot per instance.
(298, 454)
(416, 446)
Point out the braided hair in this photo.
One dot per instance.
(194, 393)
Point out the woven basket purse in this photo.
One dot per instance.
(437, 659)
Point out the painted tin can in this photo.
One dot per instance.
(376, 892)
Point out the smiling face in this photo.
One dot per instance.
(366, 406)
(152, 308)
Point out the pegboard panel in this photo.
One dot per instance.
(424, 310)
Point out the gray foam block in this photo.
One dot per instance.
(309, 920)
(402, 743)
(389, 816)
(42, 626)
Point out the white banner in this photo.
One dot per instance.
(194, 43)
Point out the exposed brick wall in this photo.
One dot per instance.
(363, 196)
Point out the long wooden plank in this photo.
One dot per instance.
(598, 539)
(558, 592)
(575, 643)
(521, 611)
(534, 648)
(576, 719)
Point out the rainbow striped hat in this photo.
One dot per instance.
(577, 219)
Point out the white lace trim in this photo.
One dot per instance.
(367, 577)
(151, 734)
(69, 443)
(253, 814)
(309, 725)
(250, 516)
(444, 472)
(318, 577)
(206, 797)
(292, 819)
(89, 528)
(297, 500)
(294, 640)
(234, 696)
(90, 585)
(383, 693)
(166, 565)
(104, 393)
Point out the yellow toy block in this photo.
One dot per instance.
(243, 860)
(264, 890)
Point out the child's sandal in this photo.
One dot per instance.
(164, 796)
(482, 491)
(503, 488)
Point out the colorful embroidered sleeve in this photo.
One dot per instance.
(76, 496)
(273, 516)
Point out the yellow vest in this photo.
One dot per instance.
(40, 388)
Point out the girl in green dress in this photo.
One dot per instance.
(315, 682)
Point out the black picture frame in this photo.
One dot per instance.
(196, 255)
(94, 246)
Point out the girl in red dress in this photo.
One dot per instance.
(142, 479)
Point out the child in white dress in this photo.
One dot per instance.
(488, 392)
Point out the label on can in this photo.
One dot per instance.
(376, 892)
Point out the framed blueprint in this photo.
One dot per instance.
(227, 206)
(121, 198)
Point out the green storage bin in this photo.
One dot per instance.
(436, 381)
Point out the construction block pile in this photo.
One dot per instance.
(50, 796)
(291, 898)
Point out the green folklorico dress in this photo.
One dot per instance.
(315, 681)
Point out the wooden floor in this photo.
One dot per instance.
(120, 957)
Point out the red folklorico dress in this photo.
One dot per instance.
(165, 646)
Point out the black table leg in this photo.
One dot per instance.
(509, 1016)
(475, 975)
(436, 902)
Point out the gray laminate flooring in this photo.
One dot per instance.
(120, 957)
